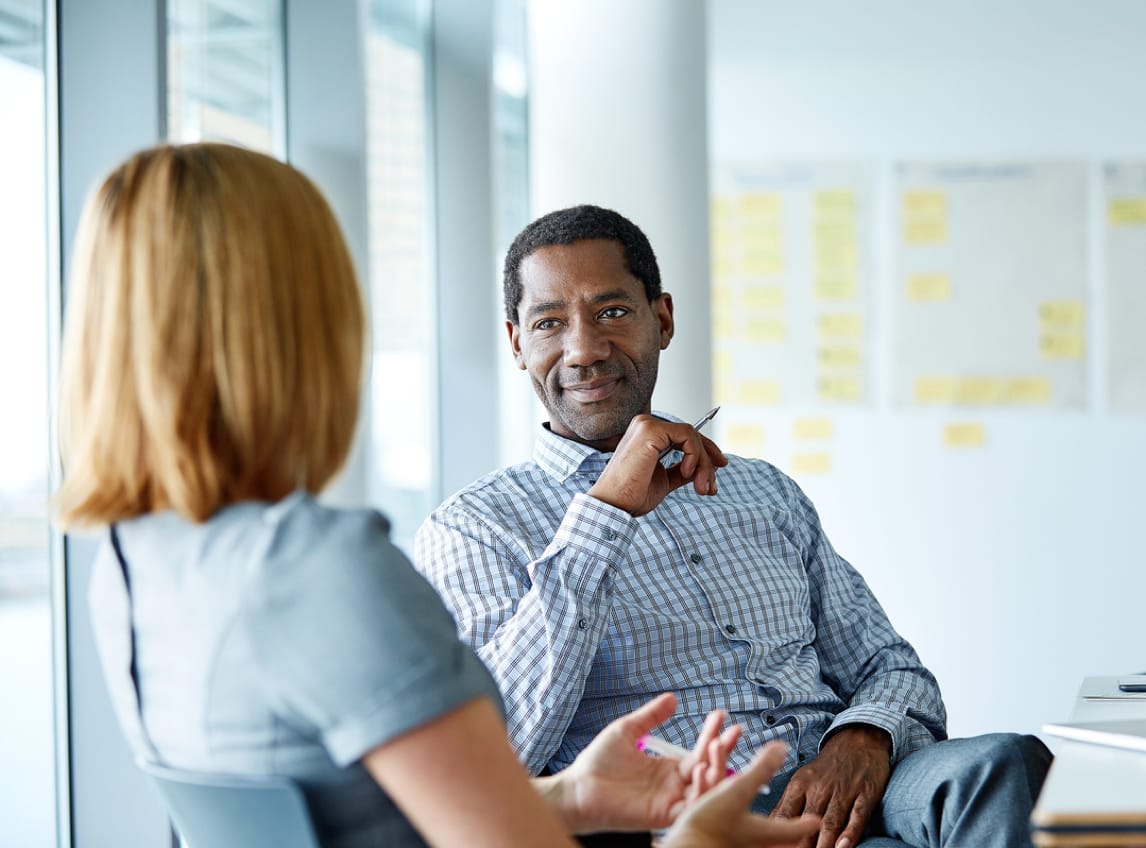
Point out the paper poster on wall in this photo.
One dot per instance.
(791, 283)
(1124, 202)
(989, 275)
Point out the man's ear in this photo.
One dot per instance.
(662, 307)
(514, 332)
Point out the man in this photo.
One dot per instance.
(599, 574)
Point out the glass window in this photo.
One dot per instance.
(225, 72)
(520, 410)
(400, 447)
(27, 746)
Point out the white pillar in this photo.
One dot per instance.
(618, 119)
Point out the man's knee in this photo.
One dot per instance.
(1020, 754)
(979, 765)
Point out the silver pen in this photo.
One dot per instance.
(708, 416)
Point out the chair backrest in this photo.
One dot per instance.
(217, 811)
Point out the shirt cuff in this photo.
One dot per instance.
(594, 530)
(874, 716)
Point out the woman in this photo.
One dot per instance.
(213, 358)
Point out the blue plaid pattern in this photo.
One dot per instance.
(736, 602)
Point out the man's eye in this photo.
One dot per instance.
(546, 324)
(614, 312)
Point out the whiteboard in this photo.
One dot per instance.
(1002, 540)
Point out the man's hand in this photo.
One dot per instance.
(612, 785)
(634, 479)
(843, 785)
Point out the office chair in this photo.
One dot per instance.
(218, 811)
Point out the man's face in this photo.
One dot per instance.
(589, 338)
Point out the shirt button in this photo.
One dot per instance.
(730, 629)
(770, 719)
(582, 624)
(696, 558)
(610, 535)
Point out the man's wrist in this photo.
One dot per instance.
(860, 736)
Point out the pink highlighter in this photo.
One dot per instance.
(648, 742)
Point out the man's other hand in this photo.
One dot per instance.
(843, 785)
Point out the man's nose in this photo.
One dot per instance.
(585, 344)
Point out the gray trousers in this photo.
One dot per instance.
(962, 793)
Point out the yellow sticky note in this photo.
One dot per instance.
(925, 230)
(812, 428)
(760, 204)
(926, 203)
(721, 326)
(841, 389)
(763, 297)
(766, 236)
(927, 287)
(981, 391)
(1127, 211)
(934, 390)
(1029, 391)
(967, 434)
(837, 285)
(765, 330)
(743, 439)
(836, 257)
(1062, 312)
(834, 202)
(834, 231)
(840, 357)
(723, 389)
(759, 393)
(762, 262)
(843, 325)
(811, 463)
(1065, 346)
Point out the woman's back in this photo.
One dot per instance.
(284, 639)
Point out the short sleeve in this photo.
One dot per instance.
(350, 638)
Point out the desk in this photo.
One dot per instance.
(1095, 785)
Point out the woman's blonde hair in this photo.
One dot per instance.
(214, 338)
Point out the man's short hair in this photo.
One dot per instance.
(580, 223)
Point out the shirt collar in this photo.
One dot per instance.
(562, 458)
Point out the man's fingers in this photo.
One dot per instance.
(857, 823)
(791, 803)
(846, 815)
(714, 452)
(779, 832)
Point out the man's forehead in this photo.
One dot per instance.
(578, 263)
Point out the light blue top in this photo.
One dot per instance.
(285, 639)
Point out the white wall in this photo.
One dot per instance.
(1015, 568)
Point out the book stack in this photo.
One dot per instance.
(1100, 801)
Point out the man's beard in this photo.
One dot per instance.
(630, 399)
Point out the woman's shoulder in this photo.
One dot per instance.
(300, 522)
